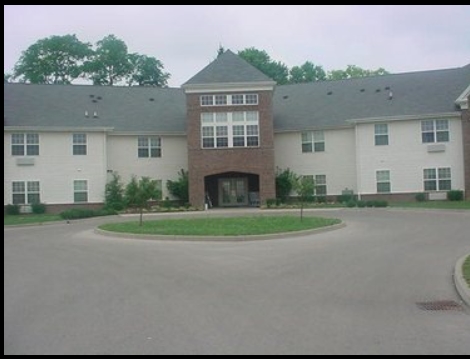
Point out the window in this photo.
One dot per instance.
(227, 100)
(381, 135)
(230, 129)
(313, 142)
(79, 144)
(26, 192)
(207, 100)
(149, 147)
(439, 179)
(80, 191)
(435, 131)
(320, 185)
(25, 144)
(383, 182)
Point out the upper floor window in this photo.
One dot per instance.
(79, 144)
(149, 147)
(313, 141)
(229, 100)
(437, 179)
(25, 144)
(26, 192)
(381, 135)
(435, 131)
(230, 129)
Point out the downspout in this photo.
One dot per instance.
(358, 164)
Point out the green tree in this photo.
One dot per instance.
(260, 59)
(139, 193)
(147, 71)
(305, 188)
(110, 63)
(353, 71)
(180, 188)
(308, 72)
(7, 77)
(285, 184)
(54, 60)
(114, 194)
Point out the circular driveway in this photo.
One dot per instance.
(356, 290)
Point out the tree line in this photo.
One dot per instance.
(308, 72)
(64, 59)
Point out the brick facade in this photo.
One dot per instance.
(466, 148)
(208, 162)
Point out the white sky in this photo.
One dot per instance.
(186, 37)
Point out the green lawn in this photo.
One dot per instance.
(433, 205)
(30, 219)
(466, 270)
(241, 226)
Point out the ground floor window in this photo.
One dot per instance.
(26, 192)
(384, 184)
(320, 186)
(437, 179)
(80, 191)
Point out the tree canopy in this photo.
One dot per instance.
(63, 59)
(54, 60)
(308, 72)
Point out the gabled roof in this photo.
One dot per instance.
(332, 103)
(132, 109)
(228, 68)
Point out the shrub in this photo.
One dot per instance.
(285, 183)
(12, 210)
(345, 198)
(321, 199)
(455, 196)
(180, 187)
(351, 203)
(114, 194)
(38, 208)
(361, 204)
(380, 204)
(272, 202)
(421, 197)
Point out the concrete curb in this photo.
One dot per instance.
(221, 238)
(460, 282)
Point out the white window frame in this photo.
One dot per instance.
(381, 131)
(28, 190)
(80, 144)
(26, 143)
(152, 145)
(435, 131)
(439, 178)
(383, 177)
(223, 130)
(239, 99)
(313, 141)
(321, 182)
(80, 187)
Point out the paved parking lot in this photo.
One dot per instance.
(350, 291)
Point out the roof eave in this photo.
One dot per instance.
(445, 115)
(229, 86)
(462, 101)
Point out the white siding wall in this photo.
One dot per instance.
(123, 159)
(56, 168)
(338, 162)
(406, 156)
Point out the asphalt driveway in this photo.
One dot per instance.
(350, 291)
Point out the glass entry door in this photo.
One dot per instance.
(233, 192)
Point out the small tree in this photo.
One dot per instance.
(305, 188)
(180, 188)
(114, 194)
(139, 193)
(285, 183)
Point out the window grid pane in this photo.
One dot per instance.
(207, 117)
(17, 139)
(251, 99)
(237, 100)
(18, 187)
(220, 100)
(207, 100)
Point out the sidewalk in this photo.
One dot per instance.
(460, 282)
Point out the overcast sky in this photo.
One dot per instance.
(186, 37)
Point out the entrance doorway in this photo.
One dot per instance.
(233, 192)
(232, 189)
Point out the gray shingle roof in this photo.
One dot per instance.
(296, 107)
(122, 108)
(228, 68)
(331, 103)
